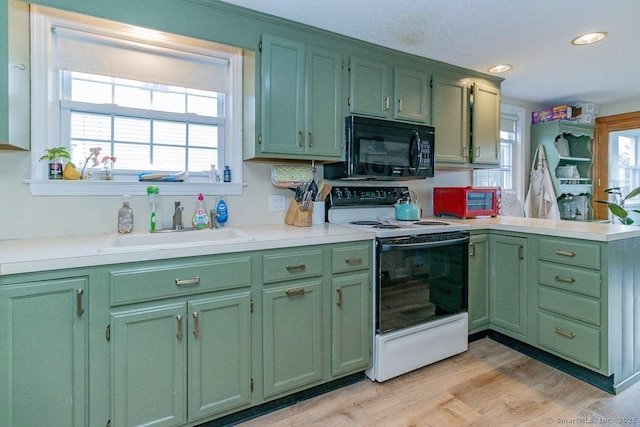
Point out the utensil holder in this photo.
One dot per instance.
(296, 216)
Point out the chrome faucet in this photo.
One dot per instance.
(177, 216)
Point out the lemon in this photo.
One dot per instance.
(69, 172)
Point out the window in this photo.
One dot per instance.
(156, 102)
(508, 176)
(624, 163)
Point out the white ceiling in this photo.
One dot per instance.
(533, 36)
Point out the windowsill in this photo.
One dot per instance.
(118, 188)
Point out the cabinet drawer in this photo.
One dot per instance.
(350, 258)
(573, 279)
(139, 284)
(570, 252)
(571, 305)
(576, 341)
(280, 266)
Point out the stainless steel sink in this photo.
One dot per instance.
(174, 239)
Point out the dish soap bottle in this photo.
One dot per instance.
(222, 215)
(125, 217)
(200, 216)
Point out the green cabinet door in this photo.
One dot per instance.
(219, 363)
(478, 283)
(351, 323)
(282, 105)
(410, 100)
(15, 76)
(43, 361)
(486, 124)
(325, 124)
(292, 336)
(450, 117)
(369, 87)
(148, 375)
(508, 306)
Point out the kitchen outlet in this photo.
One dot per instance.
(277, 203)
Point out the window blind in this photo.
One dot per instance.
(92, 53)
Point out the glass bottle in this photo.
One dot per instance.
(125, 217)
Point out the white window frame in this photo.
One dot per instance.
(45, 123)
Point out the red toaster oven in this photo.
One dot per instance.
(466, 202)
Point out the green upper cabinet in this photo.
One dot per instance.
(371, 93)
(300, 109)
(466, 116)
(485, 125)
(43, 361)
(411, 95)
(450, 117)
(15, 66)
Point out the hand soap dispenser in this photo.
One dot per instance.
(200, 216)
(125, 217)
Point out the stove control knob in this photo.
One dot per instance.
(381, 194)
(347, 193)
(338, 193)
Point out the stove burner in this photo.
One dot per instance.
(366, 223)
(430, 223)
(386, 226)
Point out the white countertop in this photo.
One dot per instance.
(43, 254)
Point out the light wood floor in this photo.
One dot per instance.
(489, 385)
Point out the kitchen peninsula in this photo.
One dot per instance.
(564, 287)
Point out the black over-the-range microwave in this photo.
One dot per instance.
(384, 150)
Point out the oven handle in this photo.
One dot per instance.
(409, 246)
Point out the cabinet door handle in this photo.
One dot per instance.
(472, 249)
(79, 308)
(355, 260)
(565, 279)
(399, 105)
(310, 139)
(301, 138)
(477, 152)
(565, 253)
(185, 282)
(520, 254)
(465, 151)
(295, 292)
(300, 267)
(179, 319)
(339, 303)
(569, 335)
(386, 103)
(196, 324)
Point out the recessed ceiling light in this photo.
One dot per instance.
(589, 38)
(500, 68)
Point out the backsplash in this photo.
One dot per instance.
(26, 216)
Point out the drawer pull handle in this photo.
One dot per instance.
(185, 282)
(565, 279)
(179, 319)
(296, 267)
(295, 292)
(565, 253)
(339, 303)
(569, 335)
(79, 308)
(196, 324)
(356, 260)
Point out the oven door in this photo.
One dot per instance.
(420, 278)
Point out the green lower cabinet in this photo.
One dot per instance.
(577, 341)
(180, 362)
(351, 314)
(149, 376)
(292, 336)
(43, 361)
(508, 305)
(478, 283)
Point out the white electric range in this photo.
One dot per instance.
(420, 280)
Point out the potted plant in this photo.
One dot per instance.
(616, 206)
(55, 156)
